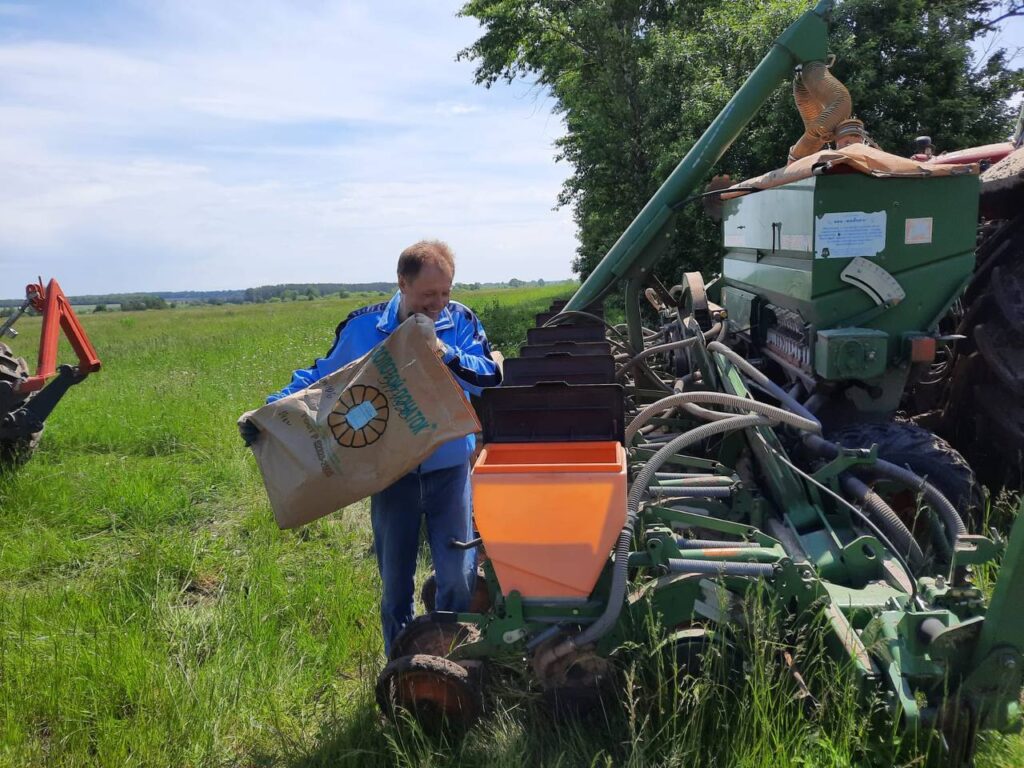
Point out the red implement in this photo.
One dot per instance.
(57, 315)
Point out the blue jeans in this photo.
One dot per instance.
(443, 497)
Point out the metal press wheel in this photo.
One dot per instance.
(694, 300)
(480, 602)
(437, 692)
(434, 635)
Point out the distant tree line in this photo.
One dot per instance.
(295, 291)
(136, 302)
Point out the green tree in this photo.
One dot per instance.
(638, 81)
(142, 303)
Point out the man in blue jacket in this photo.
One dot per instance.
(438, 489)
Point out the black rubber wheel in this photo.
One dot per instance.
(479, 603)
(13, 370)
(925, 454)
(437, 692)
(434, 635)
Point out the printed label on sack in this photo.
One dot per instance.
(360, 416)
(401, 398)
(329, 463)
(848, 234)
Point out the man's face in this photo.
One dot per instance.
(428, 293)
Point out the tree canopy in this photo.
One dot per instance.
(638, 81)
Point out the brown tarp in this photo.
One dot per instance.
(859, 158)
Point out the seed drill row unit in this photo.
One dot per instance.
(687, 470)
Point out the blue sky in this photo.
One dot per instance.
(180, 144)
(175, 145)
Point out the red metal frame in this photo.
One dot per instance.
(57, 315)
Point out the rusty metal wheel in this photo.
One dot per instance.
(695, 300)
(480, 602)
(435, 634)
(437, 692)
(574, 686)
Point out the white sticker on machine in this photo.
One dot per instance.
(848, 234)
(918, 231)
(796, 242)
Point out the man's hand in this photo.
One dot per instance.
(249, 431)
(426, 327)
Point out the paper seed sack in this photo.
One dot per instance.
(357, 430)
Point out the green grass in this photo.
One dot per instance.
(152, 614)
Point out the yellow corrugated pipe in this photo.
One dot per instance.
(823, 103)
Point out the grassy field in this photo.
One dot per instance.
(152, 614)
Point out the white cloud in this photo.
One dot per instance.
(232, 144)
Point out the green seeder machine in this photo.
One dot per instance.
(746, 447)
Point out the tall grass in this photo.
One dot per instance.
(151, 613)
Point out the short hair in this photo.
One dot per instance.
(435, 252)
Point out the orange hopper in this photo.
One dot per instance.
(549, 513)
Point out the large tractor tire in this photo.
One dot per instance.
(13, 370)
(926, 455)
(974, 394)
(983, 413)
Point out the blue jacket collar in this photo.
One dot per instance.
(388, 321)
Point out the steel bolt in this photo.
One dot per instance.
(1009, 661)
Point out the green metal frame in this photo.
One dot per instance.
(634, 254)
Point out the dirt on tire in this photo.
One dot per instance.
(13, 370)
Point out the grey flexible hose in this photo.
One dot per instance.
(636, 491)
(955, 527)
(720, 398)
(720, 567)
(719, 331)
(767, 384)
(653, 351)
(617, 590)
(704, 414)
(887, 519)
(951, 519)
